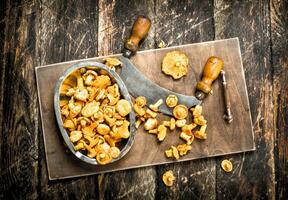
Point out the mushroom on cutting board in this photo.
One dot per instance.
(175, 64)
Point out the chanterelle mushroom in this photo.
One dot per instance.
(91, 151)
(200, 120)
(79, 146)
(155, 106)
(183, 149)
(175, 152)
(70, 92)
(171, 101)
(180, 123)
(103, 129)
(123, 107)
(68, 123)
(103, 157)
(201, 133)
(197, 111)
(226, 165)
(81, 94)
(112, 62)
(150, 113)
(124, 129)
(150, 124)
(175, 64)
(162, 131)
(83, 121)
(89, 130)
(75, 136)
(102, 81)
(139, 110)
(114, 152)
(171, 124)
(64, 89)
(188, 138)
(168, 178)
(90, 109)
(75, 108)
(180, 112)
(140, 101)
(187, 128)
(89, 77)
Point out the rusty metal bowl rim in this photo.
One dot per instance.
(123, 91)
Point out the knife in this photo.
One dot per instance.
(139, 85)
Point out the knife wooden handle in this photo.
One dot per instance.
(139, 32)
(211, 72)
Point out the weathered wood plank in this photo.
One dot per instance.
(19, 118)
(182, 22)
(3, 19)
(279, 36)
(68, 31)
(81, 21)
(253, 174)
(115, 22)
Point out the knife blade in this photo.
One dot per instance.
(139, 85)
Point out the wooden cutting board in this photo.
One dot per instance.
(222, 139)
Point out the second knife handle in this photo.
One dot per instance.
(139, 32)
(211, 71)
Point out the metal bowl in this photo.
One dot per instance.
(125, 145)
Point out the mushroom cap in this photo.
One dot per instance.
(103, 129)
(175, 152)
(123, 107)
(68, 123)
(183, 149)
(139, 110)
(168, 178)
(175, 64)
(124, 134)
(112, 62)
(141, 101)
(150, 124)
(162, 131)
(75, 136)
(169, 153)
(103, 157)
(180, 112)
(226, 165)
(81, 94)
(102, 81)
(114, 152)
(200, 135)
(90, 109)
(180, 123)
(171, 101)
(172, 124)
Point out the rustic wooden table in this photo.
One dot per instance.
(40, 32)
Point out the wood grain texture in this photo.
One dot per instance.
(279, 37)
(19, 135)
(248, 180)
(35, 32)
(179, 22)
(115, 23)
(68, 30)
(3, 10)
